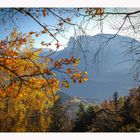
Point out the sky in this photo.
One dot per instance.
(25, 24)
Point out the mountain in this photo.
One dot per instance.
(107, 72)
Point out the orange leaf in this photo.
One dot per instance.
(44, 12)
(36, 35)
(68, 19)
(30, 33)
(68, 71)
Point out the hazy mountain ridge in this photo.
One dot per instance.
(107, 74)
(72, 103)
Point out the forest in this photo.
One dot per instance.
(35, 75)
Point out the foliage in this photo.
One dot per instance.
(120, 115)
(28, 87)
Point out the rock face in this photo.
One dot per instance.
(102, 56)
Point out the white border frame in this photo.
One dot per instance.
(69, 3)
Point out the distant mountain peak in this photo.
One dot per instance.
(105, 75)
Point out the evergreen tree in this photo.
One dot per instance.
(89, 117)
(84, 118)
(79, 122)
(115, 100)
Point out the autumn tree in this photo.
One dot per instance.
(131, 106)
(28, 84)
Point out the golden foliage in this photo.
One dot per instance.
(28, 88)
